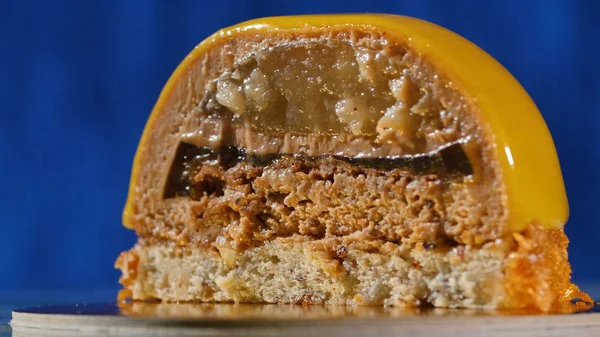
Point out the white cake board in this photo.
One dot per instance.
(146, 319)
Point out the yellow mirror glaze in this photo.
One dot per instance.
(530, 168)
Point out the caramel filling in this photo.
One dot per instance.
(324, 97)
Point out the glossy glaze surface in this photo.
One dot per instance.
(526, 152)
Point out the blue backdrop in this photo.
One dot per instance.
(78, 79)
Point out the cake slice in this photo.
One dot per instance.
(346, 159)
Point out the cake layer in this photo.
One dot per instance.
(240, 203)
(349, 271)
(359, 270)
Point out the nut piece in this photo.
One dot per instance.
(230, 95)
(353, 113)
(424, 106)
(372, 65)
(256, 88)
(396, 123)
(403, 89)
(229, 255)
(400, 121)
(366, 66)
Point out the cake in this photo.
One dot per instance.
(347, 160)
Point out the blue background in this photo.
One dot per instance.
(78, 79)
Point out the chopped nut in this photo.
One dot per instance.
(230, 95)
(365, 61)
(396, 123)
(352, 113)
(236, 75)
(423, 106)
(404, 90)
(228, 255)
(256, 88)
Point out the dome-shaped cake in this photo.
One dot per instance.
(346, 159)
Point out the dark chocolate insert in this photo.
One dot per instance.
(449, 160)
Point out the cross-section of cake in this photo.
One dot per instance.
(346, 159)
